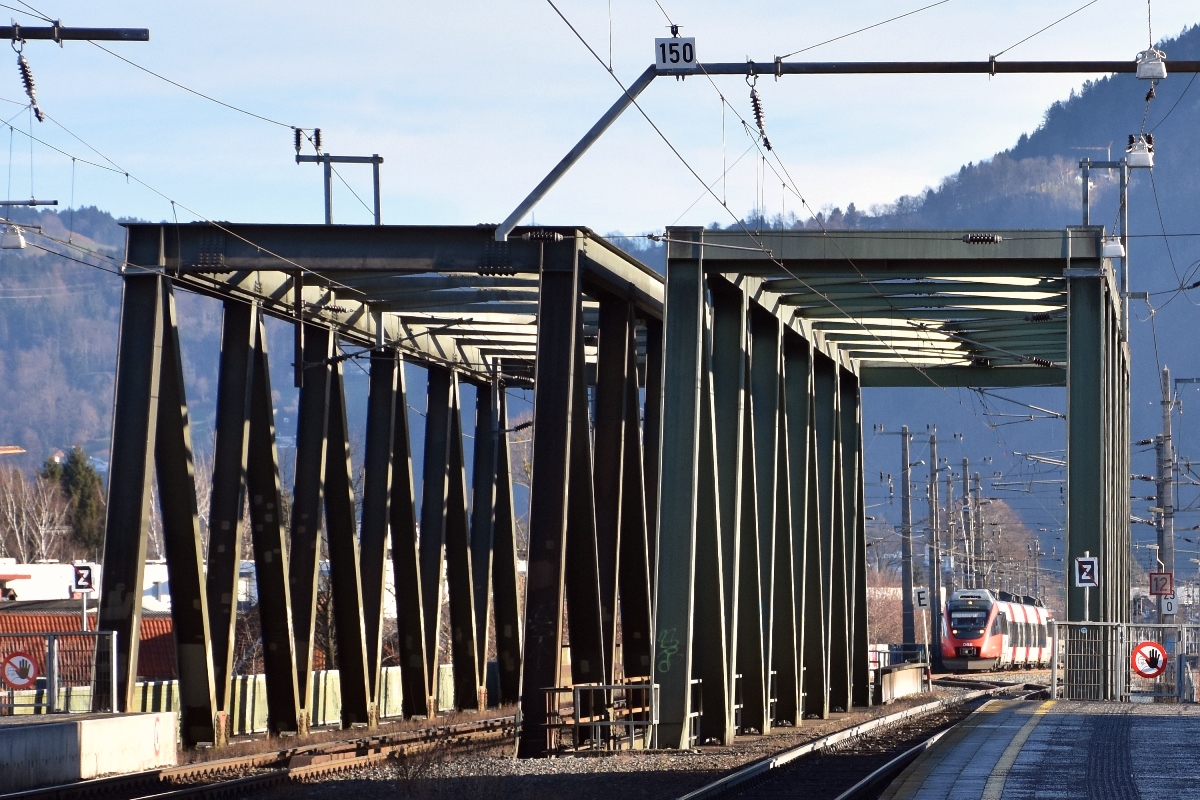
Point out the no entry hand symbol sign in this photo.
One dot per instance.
(18, 670)
(1149, 660)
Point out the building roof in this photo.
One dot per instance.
(156, 653)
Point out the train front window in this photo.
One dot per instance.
(968, 624)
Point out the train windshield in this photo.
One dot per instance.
(968, 624)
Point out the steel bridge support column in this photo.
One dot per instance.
(1087, 381)
(855, 528)
(345, 583)
(785, 644)
(1097, 445)
(842, 536)
(377, 505)
(468, 691)
(415, 676)
(151, 427)
(738, 539)
(307, 505)
(763, 385)
(825, 419)
(689, 522)
(235, 381)
(181, 539)
(284, 710)
(637, 626)
(439, 410)
(611, 365)
(506, 600)
(127, 521)
(558, 301)
(796, 437)
(585, 618)
(483, 517)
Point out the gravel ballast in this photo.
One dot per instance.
(493, 773)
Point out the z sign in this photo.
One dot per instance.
(1087, 572)
(83, 578)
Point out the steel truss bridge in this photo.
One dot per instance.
(697, 450)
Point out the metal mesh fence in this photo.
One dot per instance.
(47, 673)
(1097, 659)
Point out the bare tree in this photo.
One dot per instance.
(33, 514)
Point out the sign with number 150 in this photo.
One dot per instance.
(675, 54)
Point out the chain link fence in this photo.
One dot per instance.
(1095, 661)
(50, 673)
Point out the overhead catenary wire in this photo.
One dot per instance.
(1178, 100)
(861, 30)
(924, 373)
(1043, 30)
(696, 175)
(200, 94)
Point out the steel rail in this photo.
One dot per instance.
(762, 767)
(892, 767)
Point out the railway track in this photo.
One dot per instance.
(833, 767)
(233, 776)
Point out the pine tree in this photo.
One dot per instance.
(81, 484)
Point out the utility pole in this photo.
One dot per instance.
(935, 555)
(977, 533)
(972, 565)
(327, 161)
(1165, 486)
(906, 551)
(956, 572)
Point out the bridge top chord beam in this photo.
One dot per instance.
(445, 295)
(914, 308)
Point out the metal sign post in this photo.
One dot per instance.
(1087, 575)
(84, 585)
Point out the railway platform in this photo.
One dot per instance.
(1060, 748)
(46, 749)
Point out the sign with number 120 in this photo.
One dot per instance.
(675, 54)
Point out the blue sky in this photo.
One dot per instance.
(470, 103)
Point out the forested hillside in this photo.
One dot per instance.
(60, 303)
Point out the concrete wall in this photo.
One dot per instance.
(65, 750)
(899, 681)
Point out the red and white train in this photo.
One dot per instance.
(985, 631)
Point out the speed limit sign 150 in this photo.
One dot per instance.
(675, 54)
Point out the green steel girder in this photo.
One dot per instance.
(908, 309)
(370, 283)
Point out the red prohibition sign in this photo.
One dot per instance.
(1148, 660)
(18, 670)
